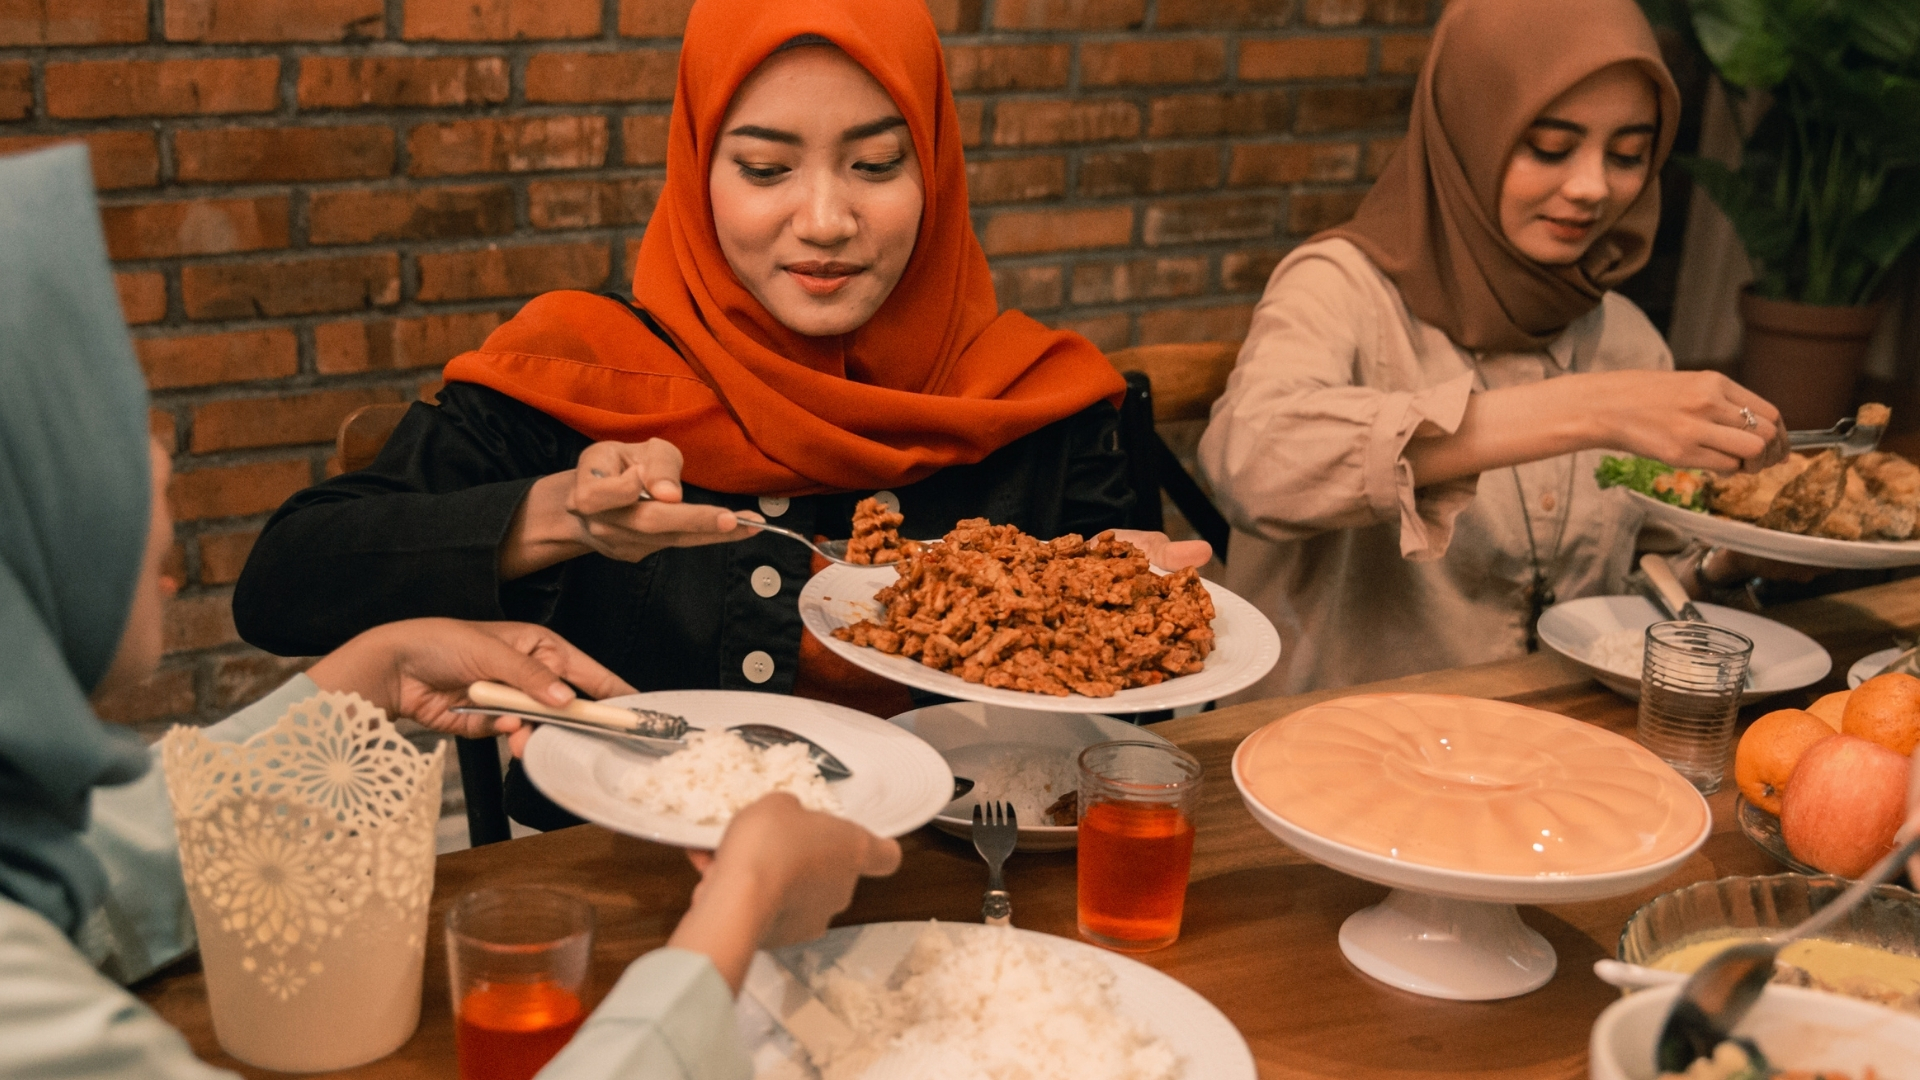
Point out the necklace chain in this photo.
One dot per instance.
(1540, 594)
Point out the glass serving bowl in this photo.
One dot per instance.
(1887, 919)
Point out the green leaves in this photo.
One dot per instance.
(1740, 41)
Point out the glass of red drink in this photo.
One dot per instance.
(517, 958)
(1136, 842)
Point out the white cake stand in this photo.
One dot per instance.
(1448, 933)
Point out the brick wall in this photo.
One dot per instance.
(312, 204)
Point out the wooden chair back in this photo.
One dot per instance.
(364, 431)
(1187, 379)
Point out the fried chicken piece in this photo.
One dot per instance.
(1807, 499)
(1890, 477)
(1746, 496)
(876, 534)
(1873, 414)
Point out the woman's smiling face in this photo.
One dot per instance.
(816, 190)
(1580, 164)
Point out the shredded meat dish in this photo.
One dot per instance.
(876, 535)
(1003, 609)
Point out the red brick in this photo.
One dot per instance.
(585, 77)
(359, 216)
(246, 678)
(1334, 12)
(499, 20)
(1195, 324)
(244, 423)
(165, 430)
(265, 155)
(169, 692)
(1264, 164)
(1022, 232)
(1339, 108)
(951, 16)
(1138, 279)
(1016, 179)
(653, 18)
(121, 159)
(1311, 211)
(1027, 288)
(973, 113)
(1404, 54)
(1379, 151)
(206, 359)
(290, 287)
(199, 622)
(72, 22)
(588, 204)
(643, 139)
(1198, 221)
(1030, 123)
(1068, 14)
(1008, 67)
(237, 21)
(236, 490)
(398, 344)
(1247, 269)
(523, 145)
(1150, 63)
(93, 89)
(222, 555)
(1398, 12)
(16, 89)
(143, 297)
(521, 270)
(352, 82)
(164, 230)
(1142, 172)
(1222, 14)
(1304, 58)
(1107, 332)
(1252, 112)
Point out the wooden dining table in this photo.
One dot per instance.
(1259, 938)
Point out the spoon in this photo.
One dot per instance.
(834, 551)
(1720, 993)
(656, 730)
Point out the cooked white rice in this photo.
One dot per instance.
(993, 1006)
(719, 774)
(1622, 652)
(1031, 778)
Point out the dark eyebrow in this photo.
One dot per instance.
(871, 128)
(751, 131)
(1559, 125)
(1638, 129)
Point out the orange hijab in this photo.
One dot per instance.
(939, 376)
(1432, 221)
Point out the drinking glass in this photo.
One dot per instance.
(517, 958)
(1689, 693)
(1136, 842)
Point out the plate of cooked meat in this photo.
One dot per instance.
(1857, 513)
(1076, 625)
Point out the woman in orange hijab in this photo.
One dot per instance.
(1407, 445)
(813, 323)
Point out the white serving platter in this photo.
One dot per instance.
(1774, 544)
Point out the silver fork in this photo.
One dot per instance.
(995, 830)
(834, 551)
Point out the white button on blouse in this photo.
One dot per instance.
(766, 581)
(889, 500)
(757, 667)
(773, 506)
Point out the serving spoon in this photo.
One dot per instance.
(1720, 993)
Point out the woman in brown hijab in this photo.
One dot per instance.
(1407, 445)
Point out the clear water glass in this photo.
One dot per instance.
(1689, 695)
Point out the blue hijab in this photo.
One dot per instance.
(74, 486)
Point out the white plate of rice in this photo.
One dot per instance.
(947, 1001)
(898, 782)
(1605, 635)
(1014, 755)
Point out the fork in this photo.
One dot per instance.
(995, 830)
(834, 551)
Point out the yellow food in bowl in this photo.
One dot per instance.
(1839, 967)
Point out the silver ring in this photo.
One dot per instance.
(1747, 418)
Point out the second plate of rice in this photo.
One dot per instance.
(685, 799)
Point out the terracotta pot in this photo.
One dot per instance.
(1804, 358)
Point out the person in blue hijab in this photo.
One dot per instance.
(90, 889)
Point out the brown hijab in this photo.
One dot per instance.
(1432, 221)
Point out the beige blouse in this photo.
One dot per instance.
(1365, 576)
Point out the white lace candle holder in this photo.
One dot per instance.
(308, 854)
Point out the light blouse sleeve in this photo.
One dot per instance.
(670, 1017)
(1311, 432)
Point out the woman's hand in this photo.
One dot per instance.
(622, 500)
(421, 668)
(1688, 419)
(780, 874)
(1164, 553)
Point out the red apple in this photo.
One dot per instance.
(1843, 804)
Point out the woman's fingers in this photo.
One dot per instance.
(563, 658)
(1164, 553)
(883, 858)
(615, 474)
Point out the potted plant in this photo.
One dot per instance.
(1826, 199)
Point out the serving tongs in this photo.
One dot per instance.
(659, 731)
(1853, 436)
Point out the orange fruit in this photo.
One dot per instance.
(1886, 709)
(1830, 707)
(1770, 749)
